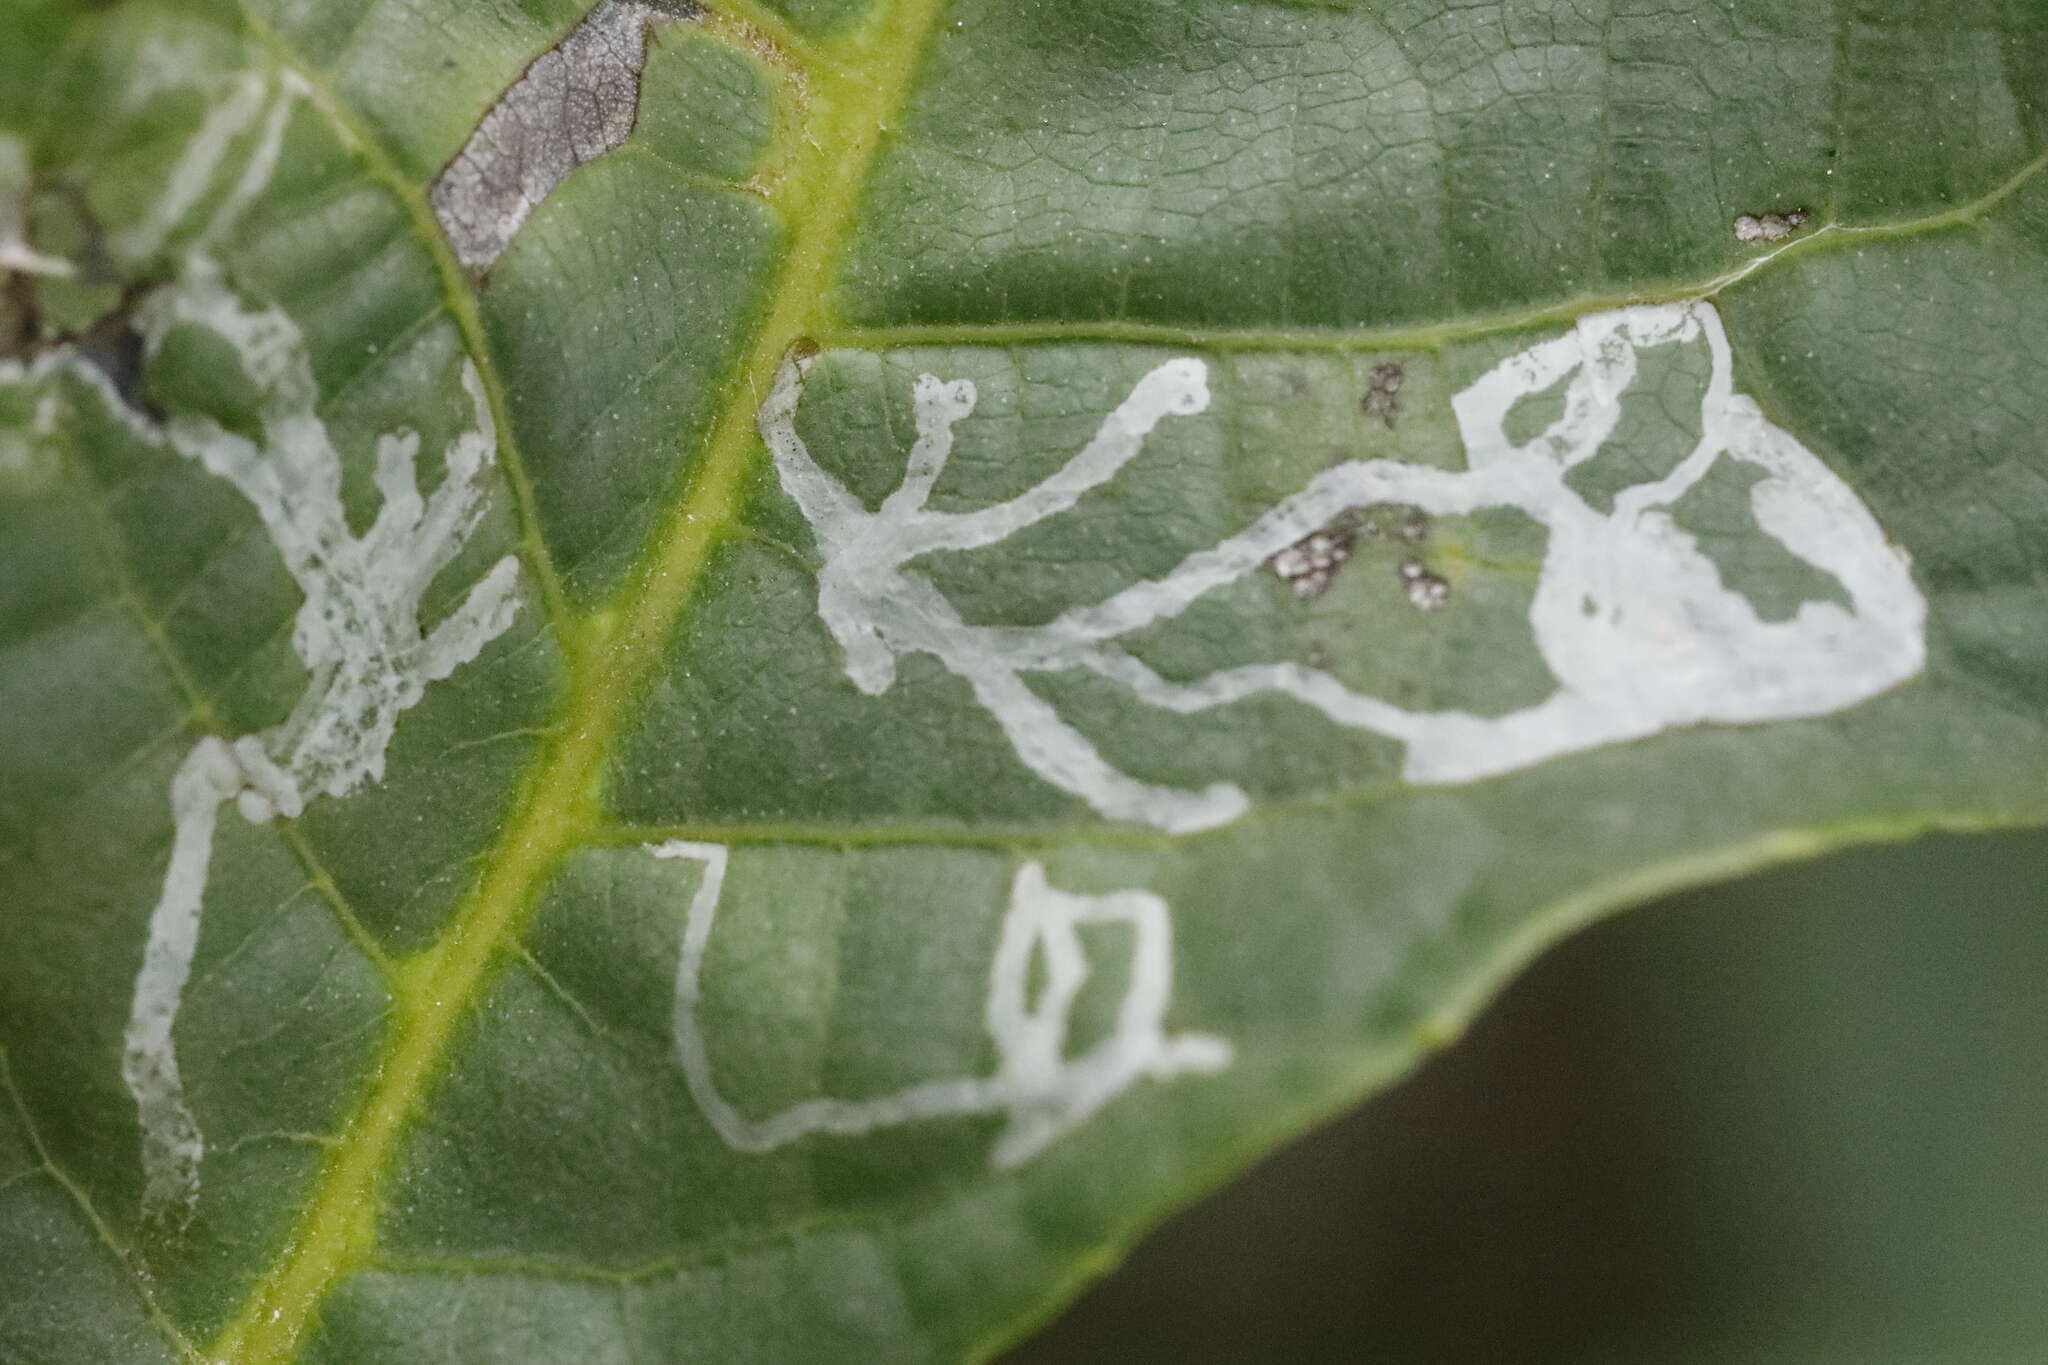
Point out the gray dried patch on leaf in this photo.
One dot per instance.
(1770, 227)
(575, 103)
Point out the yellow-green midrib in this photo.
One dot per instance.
(840, 108)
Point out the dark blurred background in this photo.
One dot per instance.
(1798, 1118)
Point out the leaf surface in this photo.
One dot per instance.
(739, 681)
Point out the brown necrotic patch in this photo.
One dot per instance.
(576, 102)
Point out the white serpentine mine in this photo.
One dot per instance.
(358, 633)
(367, 658)
(1630, 615)
(1043, 1092)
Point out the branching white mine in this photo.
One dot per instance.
(1043, 1092)
(1630, 615)
(878, 609)
(358, 632)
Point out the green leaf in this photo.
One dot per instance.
(739, 682)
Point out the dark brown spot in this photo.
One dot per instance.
(1383, 392)
(1310, 564)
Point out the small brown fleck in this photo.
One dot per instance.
(1383, 392)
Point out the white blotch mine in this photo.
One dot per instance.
(1630, 616)
(576, 102)
(1043, 1092)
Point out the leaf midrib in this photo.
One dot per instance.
(852, 94)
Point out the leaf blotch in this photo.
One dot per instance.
(577, 101)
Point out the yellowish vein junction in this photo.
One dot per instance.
(839, 97)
